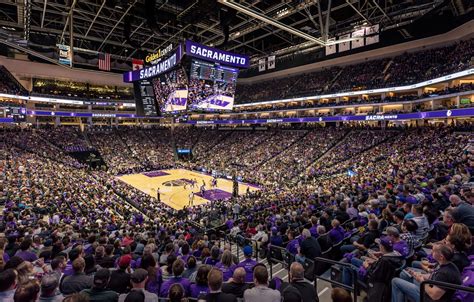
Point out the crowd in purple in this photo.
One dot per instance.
(71, 232)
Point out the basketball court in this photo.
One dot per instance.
(175, 186)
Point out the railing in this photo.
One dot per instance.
(353, 288)
(443, 285)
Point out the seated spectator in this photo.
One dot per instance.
(399, 245)
(226, 265)
(99, 291)
(200, 287)
(215, 288)
(248, 263)
(214, 258)
(421, 221)
(120, 278)
(178, 269)
(261, 292)
(49, 289)
(25, 252)
(293, 243)
(58, 265)
(463, 212)
(155, 280)
(296, 280)
(365, 241)
(236, 285)
(337, 232)
(447, 272)
(177, 293)
(27, 292)
(139, 278)
(408, 234)
(324, 239)
(8, 283)
(191, 268)
(309, 248)
(78, 280)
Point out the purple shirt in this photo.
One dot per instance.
(336, 234)
(165, 288)
(26, 255)
(196, 290)
(314, 231)
(227, 272)
(292, 247)
(248, 265)
(402, 248)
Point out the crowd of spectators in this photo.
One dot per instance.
(69, 232)
(408, 68)
(8, 83)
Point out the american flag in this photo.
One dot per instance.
(104, 61)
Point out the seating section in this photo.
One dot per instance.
(408, 68)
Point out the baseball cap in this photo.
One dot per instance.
(124, 261)
(247, 250)
(101, 277)
(139, 275)
(386, 242)
(49, 282)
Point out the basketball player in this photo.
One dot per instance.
(191, 199)
(158, 197)
(203, 189)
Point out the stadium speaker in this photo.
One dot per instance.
(226, 16)
(127, 29)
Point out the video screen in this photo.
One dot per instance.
(211, 86)
(171, 91)
(145, 99)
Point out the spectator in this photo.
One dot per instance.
(248, 263)
(236, 285)
(78, 280)
(49, 289)
(215, 288)
(200, 287)
(447, 272)
(304, 288)
(99, 291)
(226, 265)
(365, 241)
(421, 221)
(8, 283)
(309, 248)
(27, 292)
(177, 293)
(25, 252)
(139, 278)
(261, 292)
(120, 278)
(178, 269)
(462, 212)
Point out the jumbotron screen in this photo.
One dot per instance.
(171, 92)
(211, 86)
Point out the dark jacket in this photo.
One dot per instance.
(119, 281)
(220, 297)
(305, 289)
(380, 275)
(236, 289)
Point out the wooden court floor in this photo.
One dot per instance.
(172, 183)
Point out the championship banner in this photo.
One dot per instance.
(65, 56)
(345, 46)
(261, 64)
(207, 53)
(359, 38)
(331, 48)
(271, 62)
(372, 34)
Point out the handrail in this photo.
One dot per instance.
(442, 285)
(353, 288)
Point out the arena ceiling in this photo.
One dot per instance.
(129, 28)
